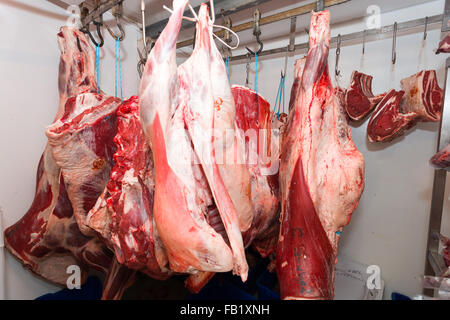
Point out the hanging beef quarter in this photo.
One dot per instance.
(182, 196)
(359, 100)
(254, 118)
(47, 239)
(123, 215)
(419, 100)
(441, 160)
(321, 178)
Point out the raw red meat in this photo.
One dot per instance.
(420, 100)
(298, 72)
(182, 194)
(423, 96)
(387, 121)
(321, 178)
(123, 214)
(82, 146)
(441, 160)
(47, 239)
(359, 100)
(254, 117)
(444, 45)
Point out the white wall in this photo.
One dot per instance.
(389, 227)
(29, 59)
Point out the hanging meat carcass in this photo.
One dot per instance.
(254, 118)
(419, 100)
(123, 214)
(47, 239)
(441, 160)
(359, 100)
(170, 100)
(321, 178)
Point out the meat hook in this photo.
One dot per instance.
(256, 32)
(364, 42)
(247, 67)
(338, 53)
(85, 28)
(117, 13)
(394, 44)
(426, 27)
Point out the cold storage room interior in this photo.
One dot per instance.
(101, 200)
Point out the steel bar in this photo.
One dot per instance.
(272, 18)
(434, 264)
(403, 26)
(222, 7)
(100, 10)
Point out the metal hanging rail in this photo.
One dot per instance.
(357, 35)
(221, 8)
(272, 18)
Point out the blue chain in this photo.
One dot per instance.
(256, 73)
(97, 63)
(229, 69)
(280, 97)
(118, 66)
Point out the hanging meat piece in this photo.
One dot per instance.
(423, 96)
(387, 121)
(420, 100)
(182, 195)
(123, 214)
(444, 45)
(441, 160)
(254, 118)
(321, 178)
(82, 145)
(209, 112)
(359, 100)
(47, 239)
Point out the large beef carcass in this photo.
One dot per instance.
(254, 118)
(419, 100)
(444, 45)
(321, 178)
(183, 197)
(441, 160)
(359, 100)
(123, 213)
(47, 239)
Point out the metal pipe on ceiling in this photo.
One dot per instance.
(403, 26)
(272, 18)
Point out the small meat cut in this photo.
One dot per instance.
(441, 160)
(359, 100)
(321, 178)
(444, 45)
(419, 100)
(190, 181)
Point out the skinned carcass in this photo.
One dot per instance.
(321, 178)
(359, 100)
(47, 239)
(123, 213)
(183, 197)
(420, 100)
(254, 118)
